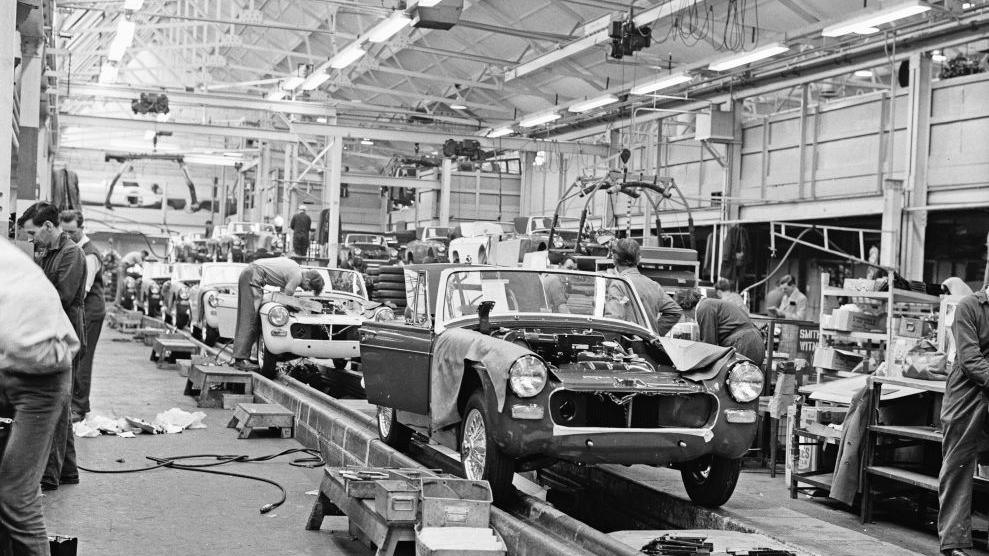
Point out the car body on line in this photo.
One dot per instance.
(192, 248)
(563, 367)
(474, 240)
(320, 327)
(215, 279)
(244, 241)
(153, 276)
(175, 293)
(430, 245)
(363, 256)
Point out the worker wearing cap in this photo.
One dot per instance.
(300, 225)
(280, 272)
(660, 308)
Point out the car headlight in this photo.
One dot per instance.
(392, 253)
(527, 376)
(278, 316)
(385, 314)
(441, 248)
(155, 288)
(745, 382)
(212, 301)
(357, 251)
(184, 293)
(238, 242)
(558, 242)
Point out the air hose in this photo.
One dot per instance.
(315, 460)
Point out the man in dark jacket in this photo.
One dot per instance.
(723, 323)
(64, 263)
(300, 225)
(963, 414)
(95, 310)
(37, 345)
(660, 308)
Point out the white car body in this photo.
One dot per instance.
(218, 280)
(474, 246)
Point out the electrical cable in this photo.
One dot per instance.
(780, 265)
(315, 460)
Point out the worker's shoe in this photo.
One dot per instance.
(954, 552)
(68, 480)
(48, 487)
(245, 365)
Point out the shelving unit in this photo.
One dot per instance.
(877, 344)
(904, 435)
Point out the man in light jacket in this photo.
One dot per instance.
(37, 346)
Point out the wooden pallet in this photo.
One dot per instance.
(166, 348)
(208, 383)
(250, 416)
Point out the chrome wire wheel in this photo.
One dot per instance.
(385, 417)
(474, 446)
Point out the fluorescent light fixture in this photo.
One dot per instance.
(108, 73)
(427, 3)
(122, 40)
(133, 5)
(664, 82)
(321, 120)
(743, 58)
(388, 27)
(315, 80)
(539, 119)
(939, 56)
(211, 159)
(875, 18)
(867, 31)
(293, 82)
(863, 73)
(500, 132)
(591, 104)
(277, 94)
(366, 142)
(347, 56)
(458, 105)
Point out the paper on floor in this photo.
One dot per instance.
(176, 420)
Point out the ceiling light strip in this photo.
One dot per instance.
(872, 19)
(743, 58)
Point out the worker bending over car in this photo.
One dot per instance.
(280, 272)
(723, 323)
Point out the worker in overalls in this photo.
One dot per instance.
(722, 323)
(280, 272)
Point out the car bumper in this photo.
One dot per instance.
(315, 336)
(318, 349)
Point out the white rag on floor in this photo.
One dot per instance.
(175, 420)
(170, 422)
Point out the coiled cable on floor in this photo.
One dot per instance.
(315, 460)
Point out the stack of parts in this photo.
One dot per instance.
(462, 541)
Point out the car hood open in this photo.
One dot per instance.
(688, 356)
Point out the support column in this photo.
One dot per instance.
(262, 183)
(331, 196)
(914, 223)
(527, 189)
(893, 201)
(8, 18)
(32, 67)
(284, 208)
(445, 187)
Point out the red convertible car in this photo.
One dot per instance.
(517, 368)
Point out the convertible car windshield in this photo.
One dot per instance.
(342, 281)
(524, 291)
(222, 274)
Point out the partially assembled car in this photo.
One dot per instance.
(153, 276)
(518, 368)
(321, 327)
(473, 241)
(245, 241)
(192, 248)
(215, 279)
(175, 293)
(362, 256)
(431, 245)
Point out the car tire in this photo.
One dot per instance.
(210, 335)
(267, 361)
(390, 431)
(167, 317)
(179, 320)
(482, 257)
(475, 443)
(710, 480)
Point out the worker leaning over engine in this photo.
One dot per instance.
(280, 272)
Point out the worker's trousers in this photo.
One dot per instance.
(83, 377)
(300, 245)
(34, 402)
(248, 319)
(964, 417)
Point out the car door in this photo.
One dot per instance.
(396, 356)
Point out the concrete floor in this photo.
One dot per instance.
(170, 512)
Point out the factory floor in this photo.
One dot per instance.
(170, 512)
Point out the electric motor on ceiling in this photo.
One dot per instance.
(441, 15)
(627, 38)
(150, 103)
(468, 148)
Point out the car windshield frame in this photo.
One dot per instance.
(561, 224)
(610, 293)
(357, 286)
(370, 239)
(427, 234)
(229, 273)
(184, 272)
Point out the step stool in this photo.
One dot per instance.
(167, 347)
(250, 416)
(148, 334)
(127, 322)
(208, 383)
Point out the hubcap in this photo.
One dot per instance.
(385, 416)
(474, 447)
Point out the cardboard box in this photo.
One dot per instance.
(860, 284)
(821, 415)
(909, 327)
(836, 359)
(855, 321)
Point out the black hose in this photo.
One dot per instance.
(315, 460)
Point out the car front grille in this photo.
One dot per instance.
(622, 410)
(324, 332)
